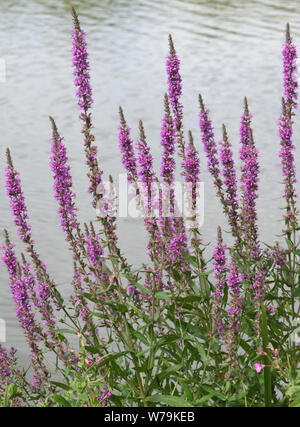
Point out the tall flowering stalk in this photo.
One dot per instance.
(211, 151)
(17, 201)
(191, 170)
(230, 183)
(127, 149)
(63, 183)
(168, 164)
(249, 179)
(220, 269)
(290, 81)
(145, 172)
(84, 94)
(285, 128)
(210, 146)
(286, 155)
(174, 92)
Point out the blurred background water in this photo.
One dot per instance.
(228, 49)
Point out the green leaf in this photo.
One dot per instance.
(61, 385)
(169, 400)
(61, 400)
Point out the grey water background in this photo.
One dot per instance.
(228, 49)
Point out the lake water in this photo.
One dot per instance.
(228, 49)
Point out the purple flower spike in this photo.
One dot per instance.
(286, 155)
(191, 171)
(167, 135)
(62, 183)
(191, 163)
(126, 148)
(290, 82)
(230, 183)
(250, 172)
(145, 173)
(17, 201)
(81, 66)
(174, 84)
(210, 146)
(84, 95)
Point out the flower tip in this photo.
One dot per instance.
(191, 139)
(246, 107)
(53, 124)
(9, 160)
(224, 131)
(142, 130)
(201, 103)
(287, 33)
(220, 237)
(6, 236)
(121, 113)
(75, 19)
(171, 45)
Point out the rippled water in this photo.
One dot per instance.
(228, 49)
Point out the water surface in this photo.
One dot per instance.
(228, 49)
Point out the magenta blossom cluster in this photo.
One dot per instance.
(145, 172)
(286, 154)
(230, 181)
(81, 67)
(167, 141)
(17, 201)
(290, 81)
(208, 140)
(250, 172)
(63, 184)
(174, 84)
(126, 149)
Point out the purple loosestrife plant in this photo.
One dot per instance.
(178, 330)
